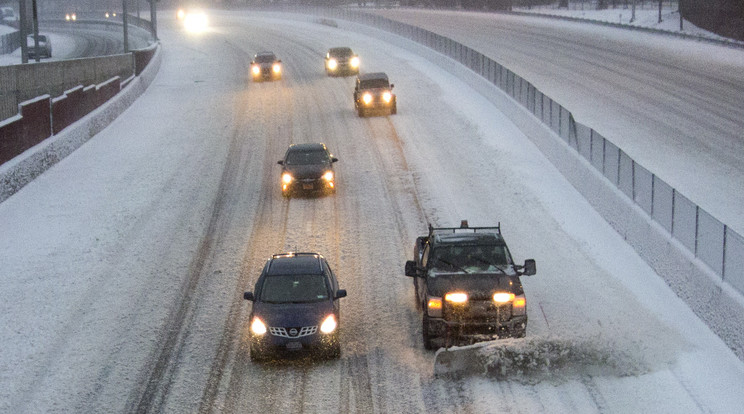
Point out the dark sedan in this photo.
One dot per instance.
(295, 307)
(307, 168)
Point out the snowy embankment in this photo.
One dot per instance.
(21, 170)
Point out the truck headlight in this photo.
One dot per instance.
(256, 70)
(258, 327)
(503, 297)
(456, 297)
(367, 98)
(329, 324)
(387, 96)
(276, 68)
(328, 176)
(287, 178)
(354, 62)
(332, 64)
(434, 307)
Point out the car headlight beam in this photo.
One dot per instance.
(328, 176)
(258, 327)
(332, 64)
(367, 98)
(354, 62)
(287, 178)
(387, 96)
(276, 68)
(329, 324)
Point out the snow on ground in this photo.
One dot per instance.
(646, 16)
(87, 238)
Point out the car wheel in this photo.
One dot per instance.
(361, 112)
(425, 333)
(394, 109)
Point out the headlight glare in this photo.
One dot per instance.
(258, 327)
(332, 64)
(287, 178)
(387, 96)
(328, 176)
(367, 98)
(354, 62)
(329, 324)
(276, 68)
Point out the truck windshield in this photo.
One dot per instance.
(470, 259)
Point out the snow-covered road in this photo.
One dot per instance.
(123, 266)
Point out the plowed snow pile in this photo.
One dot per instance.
(537, 359)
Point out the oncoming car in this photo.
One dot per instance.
(341, 61)
(307, 168)
(265, 66)
(295, 307)
(374, 93)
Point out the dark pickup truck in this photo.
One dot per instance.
(468, 286)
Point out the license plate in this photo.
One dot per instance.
(307, 186)
(293, 346)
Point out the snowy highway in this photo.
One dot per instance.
(123, 266)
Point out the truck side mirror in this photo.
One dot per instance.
(248, 296)
(280, 162)
(341, 293)
(530, 267)
(411, 268)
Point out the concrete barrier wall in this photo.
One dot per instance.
(31, 126)
(19, 83)
(10, 42)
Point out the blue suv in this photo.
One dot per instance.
(295, 307)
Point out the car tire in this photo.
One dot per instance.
(425, 334)
(394, 109)
(361, 113)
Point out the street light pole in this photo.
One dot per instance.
(22, 30)
(125, 22)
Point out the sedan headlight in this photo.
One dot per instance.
(332, 64)
(329, 324)
(287, 178)
(387, 96)
(367, 98)
(354, 62)
(276, 68)
(328, 176)
(258, 327)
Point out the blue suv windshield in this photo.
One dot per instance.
(294, 289)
